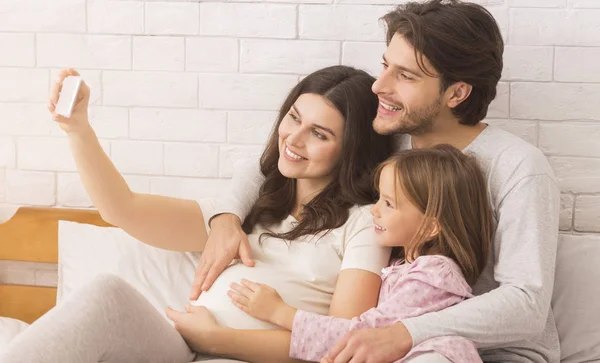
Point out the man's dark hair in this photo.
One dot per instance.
(462, 42)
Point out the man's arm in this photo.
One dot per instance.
(226, 240)
(243, 192)
(525, 255)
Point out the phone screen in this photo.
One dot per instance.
(68, 96)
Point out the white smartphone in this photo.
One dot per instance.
(68, 96)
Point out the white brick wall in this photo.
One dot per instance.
(139, 157)
(43, 16)
(24, 85)
(250, 127)
(8, 152)
(30, 187)
(22, 48)
(223, 57)
(284, 56)
(341, 22)
(527, 63)
(178, 125)
(44, 154)
(248, 20)
(170, 58)
(115, 17)
(84, 51)
(152, 89)
(180, 89)
(244, 91)
(172, 18)
(191, 160)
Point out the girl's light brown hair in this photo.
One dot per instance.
(449, 188)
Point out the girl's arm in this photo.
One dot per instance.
(274, 345)
(356, 291)
(264, 302)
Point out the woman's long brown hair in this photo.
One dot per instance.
(449, 188)
(349, 91)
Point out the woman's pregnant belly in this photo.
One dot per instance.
(294, 288)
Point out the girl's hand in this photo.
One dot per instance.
(79, 116)
(262, 302)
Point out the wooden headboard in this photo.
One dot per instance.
(31, 235)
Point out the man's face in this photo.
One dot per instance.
(409, 99)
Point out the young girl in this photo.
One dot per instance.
(433, 208)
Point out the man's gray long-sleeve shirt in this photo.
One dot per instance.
(510, 318)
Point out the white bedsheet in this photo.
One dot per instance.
(10, 328)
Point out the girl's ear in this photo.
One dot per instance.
(433, 229)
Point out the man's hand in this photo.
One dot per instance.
(379, 345)
(226, 242)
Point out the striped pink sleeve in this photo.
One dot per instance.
(314, 334)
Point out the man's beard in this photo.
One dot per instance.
(417, 122)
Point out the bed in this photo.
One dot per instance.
(90, 246)
(31, 235)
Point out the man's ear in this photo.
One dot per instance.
(457, 93)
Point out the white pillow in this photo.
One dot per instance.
(576, 298)
(85, 251)
(10, 328)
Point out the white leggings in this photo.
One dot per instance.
(109, 321)
(429, 358)
(105, 321)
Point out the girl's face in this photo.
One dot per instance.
(396, 219)
(310, 140)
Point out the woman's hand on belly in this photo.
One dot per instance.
(197, 326)
(203, 334)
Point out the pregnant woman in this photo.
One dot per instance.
(310, 232)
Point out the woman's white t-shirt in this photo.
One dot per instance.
(304, 272)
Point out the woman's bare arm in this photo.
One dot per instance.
(356, 291)
(164, 222)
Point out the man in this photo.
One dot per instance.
(440, 72)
